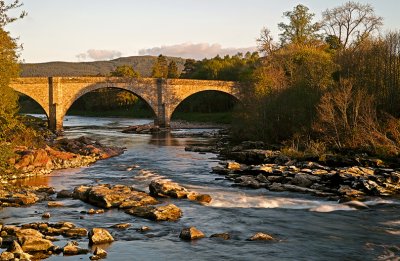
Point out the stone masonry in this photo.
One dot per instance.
(56, 94)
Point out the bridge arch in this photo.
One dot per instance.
(36, 101)
(93, 88)
(21, 95)
(219, 92)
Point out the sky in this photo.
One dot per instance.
(88, 30)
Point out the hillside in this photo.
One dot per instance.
(142, 64)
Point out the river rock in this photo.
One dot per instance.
(75, 232)
(15, 248)
(248, 181)
(72, 248)
(231, 165)
(55, 204)
(35, 244)
(162, 187)
(64, 194)
(100, 252)
(202, 198)
(106, 196)
(161, 213)
(100, 236)
(260, 237)
(46, 215)
(121, 226)
(191, 233)
(224, 236)
(304, 180)
(6, 256)
(142, 129)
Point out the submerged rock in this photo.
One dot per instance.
(224, 236)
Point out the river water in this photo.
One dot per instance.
(306, 227)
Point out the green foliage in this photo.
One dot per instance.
(160, 68)
(173, 70)
(230, 68)
(125, 71)
(300, 29)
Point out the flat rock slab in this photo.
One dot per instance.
(162, 213)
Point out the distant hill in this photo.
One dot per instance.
(142, 64)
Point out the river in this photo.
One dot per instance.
(306, 227)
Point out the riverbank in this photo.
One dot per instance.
(60, 154)
(336, 177)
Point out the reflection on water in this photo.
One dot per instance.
(307, 227)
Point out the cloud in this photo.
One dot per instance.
(98, 55)
(195, 51)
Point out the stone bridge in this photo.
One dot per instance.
(56, 94)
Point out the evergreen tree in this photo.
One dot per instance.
(173, 70)
(160, 68)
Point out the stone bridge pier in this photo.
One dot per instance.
(56, 94)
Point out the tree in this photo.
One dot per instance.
(160, 68)
(173, 70)
(125, 71)
(351, 22)
(4, 8)
(266, 43)
(300, 29)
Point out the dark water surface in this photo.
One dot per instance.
(307, 228)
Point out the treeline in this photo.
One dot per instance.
(327, 85)
(13, 130)
(141, 64)
(238, 67)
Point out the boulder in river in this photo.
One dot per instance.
(33, 244)
(100, 236)
(191, 233)
(202, 198)
(161, 213)
(260, 237)
(162, 187)
(107, 196)
(72, 248)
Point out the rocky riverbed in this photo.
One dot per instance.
(333, 176)
(62, 154)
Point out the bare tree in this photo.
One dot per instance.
(4, 8)
(351, 22)
(266, 43)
